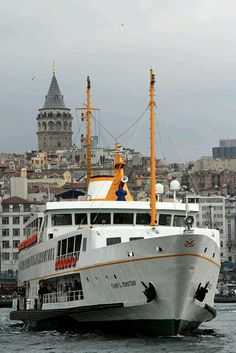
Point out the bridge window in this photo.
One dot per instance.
(84, 246)
(135, 238)
(164, 219)
(100, 218)
(69, 246)
(112, 241)
(78, 242)
(179, 221)
(61, 219)
(59, 248)
(63, 246)
(123, 218)
(81, 218)
(143, 218)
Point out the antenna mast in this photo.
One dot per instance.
(153, 158)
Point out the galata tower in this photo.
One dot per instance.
(54, 121)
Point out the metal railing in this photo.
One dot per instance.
(60, 297)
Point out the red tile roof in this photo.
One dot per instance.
(15, 200)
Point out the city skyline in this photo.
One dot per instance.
(190, 46)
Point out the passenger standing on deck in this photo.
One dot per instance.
(65, 290)
(42, 290)
(70, 289)
(77, 288)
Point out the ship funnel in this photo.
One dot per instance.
(125, 179)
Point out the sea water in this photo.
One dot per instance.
(218, 335)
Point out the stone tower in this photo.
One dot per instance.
(54, 121)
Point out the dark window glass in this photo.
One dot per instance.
(5, 208)
(64, 246)
(16, 231)
(84, 247)
(5, 220)
(143, 218)
(81, 218)
(25, 219)
(5, 244)
(123, 218)
(26, 207)
(61, 219)
(70, 245)
(16, 243)
(40, 220)
(179, 221)
(45, 223)
(78, 242)
(16, 208)
(136, 238)
(111, 241)
(16, 220)
(100, 218)
(5, 256)
(5, 232)
(59, 248)
(164, 219)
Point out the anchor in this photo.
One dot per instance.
(149, 292)
(201, 292)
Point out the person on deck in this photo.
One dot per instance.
(42, 290)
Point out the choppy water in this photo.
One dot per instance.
(216, 336)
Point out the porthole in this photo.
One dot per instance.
(158, 249)
(205, 250)
(213, 254)
(115, 276)
(107, 278)
(87, 279)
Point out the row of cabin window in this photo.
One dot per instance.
(71, 245)
(118, 218)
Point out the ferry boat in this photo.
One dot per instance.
(113, 264)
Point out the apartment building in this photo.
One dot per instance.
(218, 212)
(14, 213)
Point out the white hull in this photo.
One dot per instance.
(176, 272)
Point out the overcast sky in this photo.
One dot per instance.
(190, 44)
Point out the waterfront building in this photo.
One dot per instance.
(218, 212)
(14, 213)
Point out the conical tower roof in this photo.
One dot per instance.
(54, 98)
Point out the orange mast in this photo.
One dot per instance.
(153, 158)
(88, 110)
(88, 130)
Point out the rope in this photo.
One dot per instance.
(140, 117)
